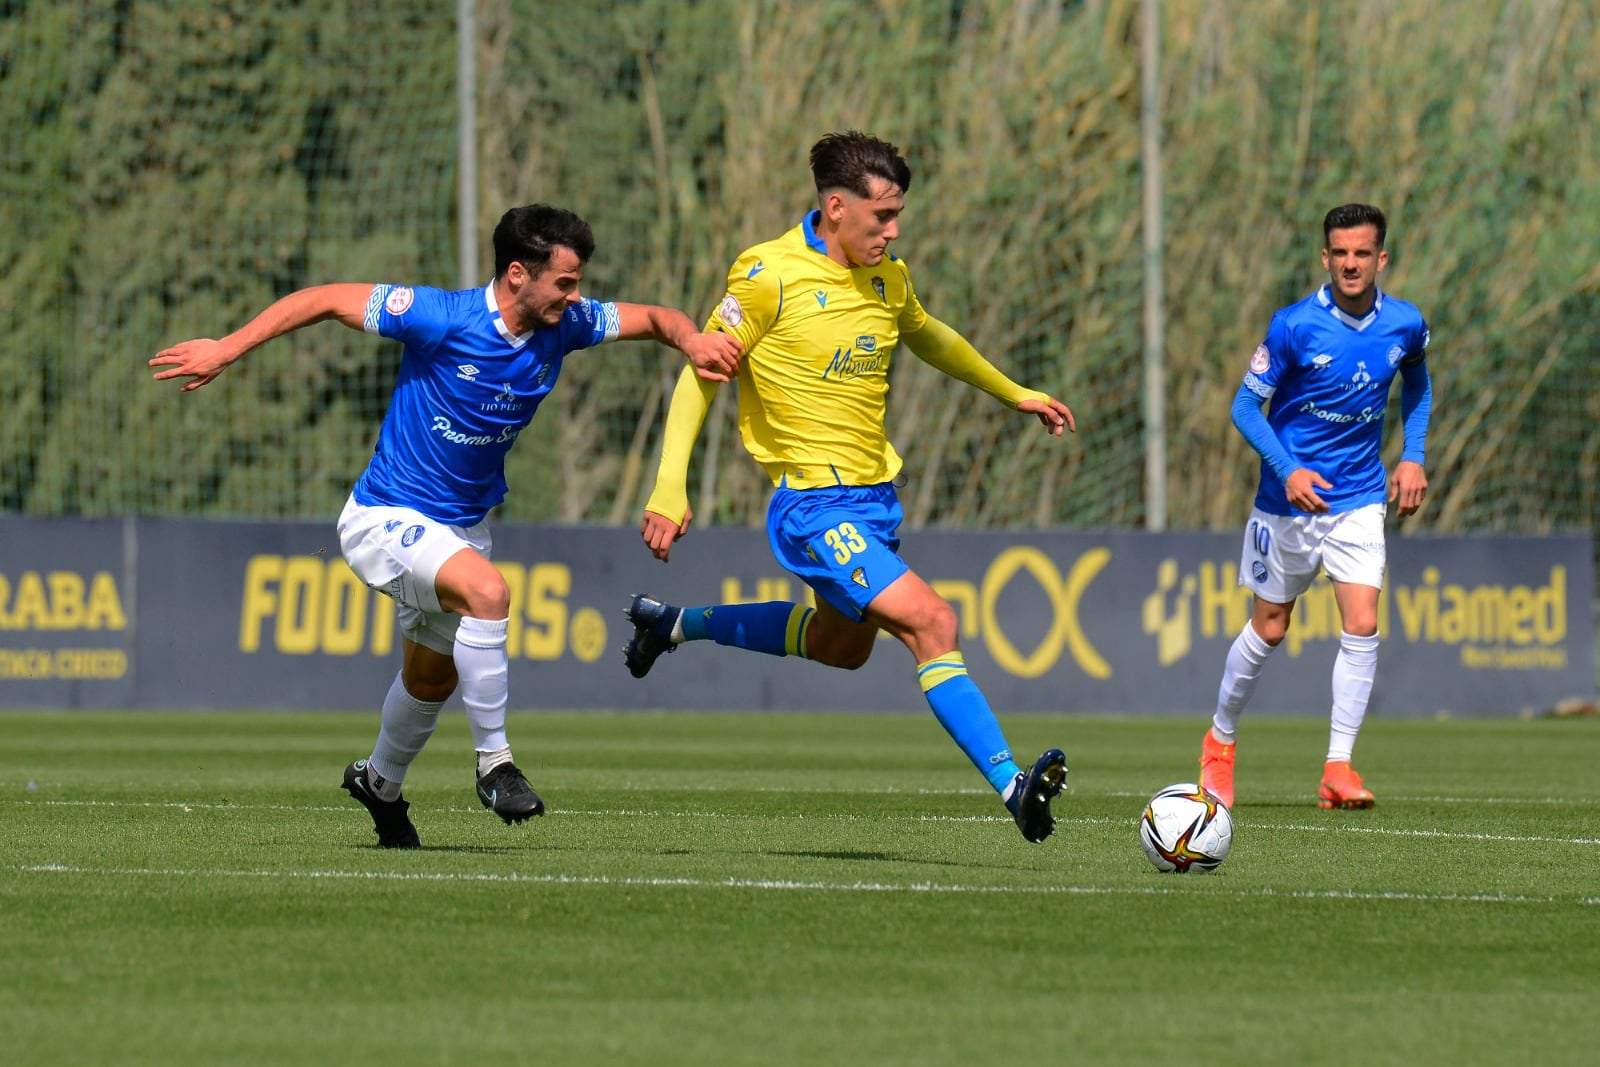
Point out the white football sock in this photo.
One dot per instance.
(1354, 669)
(1013, 786)
(488, 761)
(481, 663)
(1247, 655)
(407, 725)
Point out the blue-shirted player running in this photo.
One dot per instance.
(1325, 370)
(821, 312)
(476, 364)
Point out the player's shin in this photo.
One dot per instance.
(963, 711)
(777, 627)
(1354, 669)
(407, 725)
(480, 658)
(1240, 672)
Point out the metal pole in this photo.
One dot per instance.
(467, 145)
(1155, 419)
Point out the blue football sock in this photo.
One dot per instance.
(777, 627)
(961, 709)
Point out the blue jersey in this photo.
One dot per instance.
(1326, 376)
(467, 387)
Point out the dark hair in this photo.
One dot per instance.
(848, 160)
(530, 235)
(1349, 216)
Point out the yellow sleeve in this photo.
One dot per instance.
(747, 310)
(751, 303)
(940, 347)
(691, 399)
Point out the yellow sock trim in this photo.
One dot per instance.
(941, 669)
(794, 638)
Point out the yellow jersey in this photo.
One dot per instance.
(818, 338)
(814, 379)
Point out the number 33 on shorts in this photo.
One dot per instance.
(845, 542)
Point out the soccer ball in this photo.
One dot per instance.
(1185, 828)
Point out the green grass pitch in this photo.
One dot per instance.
(789, 889)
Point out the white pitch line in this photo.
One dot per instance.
(963, 791)
(800, 816)
(1392, 798)
(1450, 835)
(790, 885)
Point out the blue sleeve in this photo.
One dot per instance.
(1253, 425)
(1416, 404)
(588, 323)
(415, 316)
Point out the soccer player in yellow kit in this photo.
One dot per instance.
(820, 312)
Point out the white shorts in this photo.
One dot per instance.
(1283, 553)
(398, 552)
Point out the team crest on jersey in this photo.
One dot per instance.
(411, 536)
(859, 576)
(1259, 360)
(1396, 354)
(398, 300)
(730, 312)
(877, 287)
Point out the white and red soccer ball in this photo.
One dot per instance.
(1186, 828)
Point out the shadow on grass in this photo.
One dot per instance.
(478, 850)
(864, 856)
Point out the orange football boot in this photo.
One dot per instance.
(1216, 768)
(1342, 788)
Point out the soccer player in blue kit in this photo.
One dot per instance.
(1325, 370)
(476, 364)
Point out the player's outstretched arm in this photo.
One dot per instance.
(943, 348)
(203, 359)
(666, 513)
(714, 356)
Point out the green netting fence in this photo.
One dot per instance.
(170, 168)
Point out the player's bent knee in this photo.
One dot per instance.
(468, 584)
(941, 627)
(494, 596)
(428, 684)
(1272, 631)
(429, 692)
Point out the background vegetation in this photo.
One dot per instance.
(170, 168)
